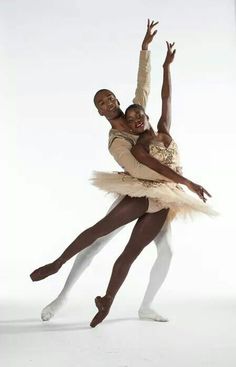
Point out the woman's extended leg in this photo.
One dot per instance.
(82, 261)
(145, 230)
(125, 212)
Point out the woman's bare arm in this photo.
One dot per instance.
(141, 154)
(164, 123)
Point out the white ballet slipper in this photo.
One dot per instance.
(149, 314)
(50, 310)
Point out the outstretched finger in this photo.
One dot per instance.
(153, 24)
(148, 23)
(155, 32)
(206, 192)
(168, 45)
(202, 197)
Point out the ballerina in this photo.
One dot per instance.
(162, 194)
(127, 210)
(120, 150)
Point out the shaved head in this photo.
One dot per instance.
(101, 93)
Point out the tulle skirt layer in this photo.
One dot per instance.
(161, 194)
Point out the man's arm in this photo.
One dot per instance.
(140, 153)
(164, 123)
(120, 149)
(144, 157)
(143, 79)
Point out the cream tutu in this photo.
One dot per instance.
(162, 193)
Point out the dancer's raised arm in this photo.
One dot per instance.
(164, 123)
(138, 122)
(143, 80)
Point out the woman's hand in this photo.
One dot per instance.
(170, 54)
(149, 35)
(199, 190)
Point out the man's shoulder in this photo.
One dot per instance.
(122, 136)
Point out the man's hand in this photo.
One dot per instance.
(170, 54)
(149, 35)
(199, 190)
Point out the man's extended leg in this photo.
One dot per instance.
(82, 261)
(158, 273)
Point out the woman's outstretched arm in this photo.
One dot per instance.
(164, 123)
(145, 158)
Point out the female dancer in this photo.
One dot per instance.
(131, 208)
(120, 149)
(161, 194)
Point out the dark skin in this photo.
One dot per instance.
(106, 102)
(137, 121)
(126, 211)
(145, 230)
(108, 106)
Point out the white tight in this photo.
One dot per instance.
(84, 258)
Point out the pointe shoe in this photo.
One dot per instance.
(46, 270)
(103, 304)
(149, 314)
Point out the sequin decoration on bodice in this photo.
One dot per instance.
(168, 156)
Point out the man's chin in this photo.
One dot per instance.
(116, 115)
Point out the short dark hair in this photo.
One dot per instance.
(133, 106)
(98, 92)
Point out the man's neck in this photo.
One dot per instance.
(119, 123)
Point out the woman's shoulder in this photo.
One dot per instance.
(164, 137)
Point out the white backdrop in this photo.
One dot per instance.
(55, 56)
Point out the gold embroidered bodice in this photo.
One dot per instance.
(166, 155)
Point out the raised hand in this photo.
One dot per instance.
(170, 54)
(199, 190)
(149, 35)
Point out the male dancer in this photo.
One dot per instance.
(120, 147)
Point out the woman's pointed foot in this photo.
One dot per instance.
(103, 304)
(45, 271)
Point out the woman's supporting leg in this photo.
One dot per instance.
(158, 273)
(82, 261)
(125, 212)
(145, 230)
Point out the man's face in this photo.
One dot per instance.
(107, 104)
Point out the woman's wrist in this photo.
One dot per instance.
(185, 182)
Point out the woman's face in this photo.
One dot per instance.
(137, 120)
